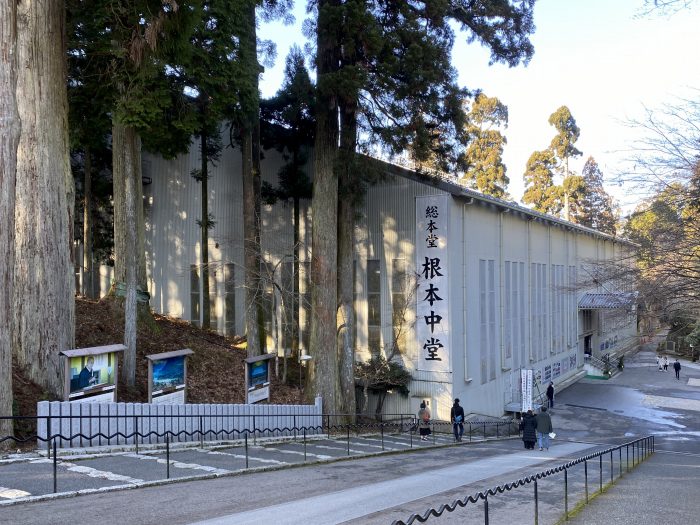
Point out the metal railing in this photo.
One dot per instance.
(640, 449)
(330, 425)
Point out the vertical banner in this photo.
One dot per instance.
(432, 314)
(526, 386)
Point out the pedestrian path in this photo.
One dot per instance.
(34, 476)
(356, 502)
(659, 491)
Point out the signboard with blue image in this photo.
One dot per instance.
(167, 375)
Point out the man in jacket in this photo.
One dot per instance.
(550, 395)
(457, 418)
(544, 427)
(677, 368)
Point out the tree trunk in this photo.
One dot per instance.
(88, 268)
(206, 310)
(44, 306)
(250, 155)
(10, 128)
(322, 377)
(346, 243)
(120, 224)
(126, 160)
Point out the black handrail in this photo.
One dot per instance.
(641, 448)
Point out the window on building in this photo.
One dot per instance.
(194, 295)
(229, 300)
(399, 302)
(374, 309)
(287, 300)
(508, 313)
(305, 303)
(487, 319)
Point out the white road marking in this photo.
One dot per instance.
(296, 452)
(242, 456)
(13, 493)
(178, 464)
(91, 472)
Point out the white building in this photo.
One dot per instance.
(496, 282)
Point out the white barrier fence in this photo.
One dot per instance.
(79, 424)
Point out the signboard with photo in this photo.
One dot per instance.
(257, 378)
(91, 374)
(547, 374)
(167, 377)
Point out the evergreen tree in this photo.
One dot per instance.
(288, 125)
(384, 67)
(540, 191)
(484, 155)
(597, 206)
(212, 71)
(44, 280)
(563, 148)
(10, 127)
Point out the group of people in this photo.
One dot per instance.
(536, 429)
(456, 417)
(662, 363)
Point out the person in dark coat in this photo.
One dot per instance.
(528, 425)
(457, 418)
(550, 395)
(677, 368)
(544, 427)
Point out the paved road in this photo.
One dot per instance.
(587, 417)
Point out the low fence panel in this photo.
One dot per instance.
(98, 424)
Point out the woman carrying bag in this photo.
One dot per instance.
(424, 422)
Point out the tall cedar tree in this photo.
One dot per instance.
(138, 36)
(246, 119)
(288, 125)
(212, 71)
(540, 190)
(89, 102)
(597, 206)
(384, 67)
(44, 285)
(563, 148)
(10, 127)
(484, 155)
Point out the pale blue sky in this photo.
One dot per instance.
(595, 56)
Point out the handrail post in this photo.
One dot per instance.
(255, 431)
(470, 432)
(167, 456)
(566, 494)
(246, 449)
(304, 444)
(136, 433)
(48, 436)
(536, 504)
(628, 456)
(612, 469)
(600, 457)
(497, 436)
(486, 509)
(585, 474)
(382, 427)
(55, 468)
(620, 450)
(295, 427)
(348, 439)
(201, 434)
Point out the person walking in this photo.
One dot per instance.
(424, 422)
(658, 363)
(677, 368)
(665, 363)
(528, 426)
(544, 427)
(457, 418)
(550, 395)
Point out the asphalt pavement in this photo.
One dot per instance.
(212, 486)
